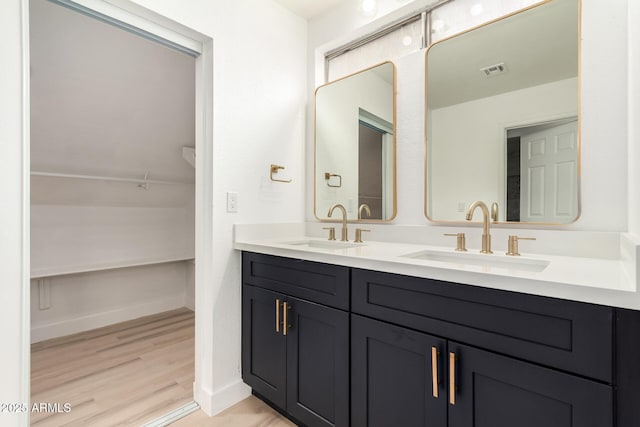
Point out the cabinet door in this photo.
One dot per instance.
(317, 364)
(498, 391)
(263, 348)
(391, 376)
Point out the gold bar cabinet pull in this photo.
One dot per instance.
(434, 371)
(452, 378)
(278, 316)
(285, 308)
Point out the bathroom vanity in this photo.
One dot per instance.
(409, 329)
(337, 345)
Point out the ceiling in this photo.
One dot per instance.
(309, 9)
(537, 46)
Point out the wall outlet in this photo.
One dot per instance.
(232, 202)
(461, 206)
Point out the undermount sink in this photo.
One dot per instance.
(482, 260)
(324, 244)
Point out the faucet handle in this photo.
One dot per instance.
(513, 244)
(494, 211)
(359, 235)
(461, 241)
(332, 232)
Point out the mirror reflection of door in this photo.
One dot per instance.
(375, 140)
(542, 178)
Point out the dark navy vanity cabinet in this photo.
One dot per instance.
(366, 348)
(295, 337)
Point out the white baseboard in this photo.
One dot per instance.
(190, 305)
(96, 320)
(213, 403)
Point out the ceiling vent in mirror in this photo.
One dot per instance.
(494, 70)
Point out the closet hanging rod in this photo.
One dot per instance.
(109, 178)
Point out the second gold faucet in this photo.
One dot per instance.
(344, 234)
(486, 237)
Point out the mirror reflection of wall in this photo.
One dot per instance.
(355, 144)
(515, 73)
(375, 158)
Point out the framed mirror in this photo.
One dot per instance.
(503, 118)
(355, 145)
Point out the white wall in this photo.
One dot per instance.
(106, 102)
(337, 135)
(604, 126)
(259, 115)
(85, 301)
(467, 146)
(633, 114)
(73, 238)
(604, 134)
(258, 119)
(99, 241)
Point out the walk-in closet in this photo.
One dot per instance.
(112, 220)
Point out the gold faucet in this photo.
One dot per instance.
(367, 210)
(344, 220)
(486, 237)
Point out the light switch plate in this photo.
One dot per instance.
(232, 202)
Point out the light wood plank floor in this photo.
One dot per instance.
(250, 412)
(120, 375)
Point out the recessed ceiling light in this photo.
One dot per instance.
(406, 40)
(368, 7)
(476, 9)
(437, 25)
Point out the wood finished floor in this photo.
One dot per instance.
(120, 375)
(250, 412)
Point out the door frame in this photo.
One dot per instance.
(155, 24)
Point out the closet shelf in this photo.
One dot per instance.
(38, 273)
(108, 178)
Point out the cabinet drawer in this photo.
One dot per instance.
(316, 282)
(571, 336)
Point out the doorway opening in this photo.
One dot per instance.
(114, 186)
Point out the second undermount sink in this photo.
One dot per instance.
(482, 260)
(323, 244)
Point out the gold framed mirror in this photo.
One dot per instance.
(503, 118)
(355, 145)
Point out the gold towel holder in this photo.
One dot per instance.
(328, 176)
(274, 169)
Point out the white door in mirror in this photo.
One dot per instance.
(549, 165)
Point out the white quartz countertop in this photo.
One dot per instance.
(600, 280)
